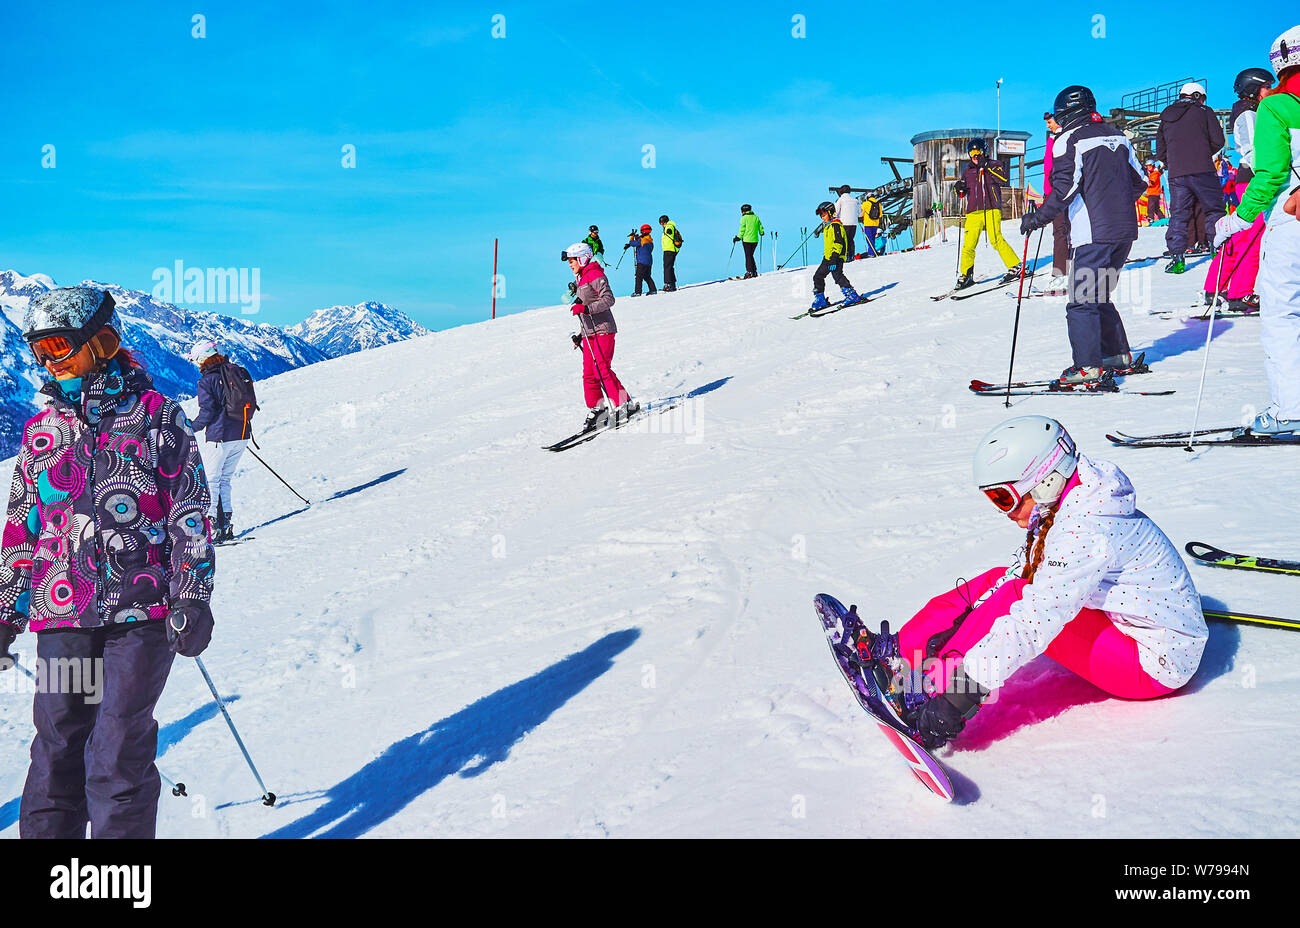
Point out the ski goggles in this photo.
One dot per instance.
(54, 348)
(1004, 495)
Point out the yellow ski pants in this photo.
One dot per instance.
(989, 221)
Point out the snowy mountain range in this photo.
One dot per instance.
(341, 330)
(162, 334)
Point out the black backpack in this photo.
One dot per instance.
(241, 398)
(874, 212)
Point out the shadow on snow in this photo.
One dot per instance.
(468, 743)
(339, 495)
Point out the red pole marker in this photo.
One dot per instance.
(495, 243)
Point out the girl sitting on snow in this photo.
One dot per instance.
(1097, 587)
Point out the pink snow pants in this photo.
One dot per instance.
(597, 356)
(1240, 260)
(1090, 644)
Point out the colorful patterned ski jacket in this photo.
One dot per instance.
(107, 518)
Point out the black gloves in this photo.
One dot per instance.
(7, 635)
(938, 721)
(961, 188)
(573, 288)
(1031, 221)
(577, 340)
(189, 627)
(736, 239)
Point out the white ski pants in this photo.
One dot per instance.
(1278, 286)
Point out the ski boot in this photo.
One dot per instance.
(1058, 284)
(1082, 377)
(1246, 305)
(625, 412)
(850, 296)
(965, 280)
(635, 293)
(1013, 273)
(748, 275)
(1177, 264)
(229, 530)
(1267, 423)
(596, 417)
(1118, 365)
(819, 302)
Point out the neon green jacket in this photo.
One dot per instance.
(1277, 150)
(750, 228)
(669, 240)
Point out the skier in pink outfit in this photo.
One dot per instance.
(1097, 587)
(593, 300)
(1240, 257)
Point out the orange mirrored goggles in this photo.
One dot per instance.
(1004, 496)
(54, 348)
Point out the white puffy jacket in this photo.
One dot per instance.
(847, 209)
(1104, 553)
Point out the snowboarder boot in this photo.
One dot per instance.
(1267, 423)
(850, 296)
(1079, 375)
(1013, 273)
(965, 280)
(1177, 264)
(819, 301)
(596, 417)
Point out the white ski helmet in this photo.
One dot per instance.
(579, 250)
(203, 350)
(1031, 455)
(1191, 89)
(1285, 52)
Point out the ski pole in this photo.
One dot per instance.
(796, 250)
(1233, 273)
(268, 797)
(1209, 334)
(1015, 331)
(730, 256)
(178, 789)
(620, 259)
(278, 477)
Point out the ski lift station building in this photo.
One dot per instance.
(938, 160)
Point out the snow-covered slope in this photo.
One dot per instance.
(340, 330)
(465, 635)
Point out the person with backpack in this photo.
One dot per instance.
(981, 186)
(107, 560)
(643, 247)
(670, 244)
(1097, 178)
(1186, 140)
(1273, 192)
(835, 248)
(872, 215)
(751, 231)
(227, 402)
(1060, 280)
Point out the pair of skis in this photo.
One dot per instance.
(988, 285)
(606, 425)
(835, 307)
(1055, 388)
(1221, 435)
(1217, 557)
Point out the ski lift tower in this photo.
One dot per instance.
(938, 160)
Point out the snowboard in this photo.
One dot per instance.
(874, 702)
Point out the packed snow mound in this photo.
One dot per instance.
(340, 330)
(466, 635)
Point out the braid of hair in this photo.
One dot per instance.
(1035, 542)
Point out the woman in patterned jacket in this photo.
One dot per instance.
(106, 556)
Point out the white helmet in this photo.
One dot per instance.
(1031, 455)
(1191, 88)
(202, 351)
(1285, 52)
(579, 250)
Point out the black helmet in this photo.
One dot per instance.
(1251, 81)
(663, 218)
(592, 229)
(845, 188)
(976, 145)
(745, 208)
(1073, 105)
(826, 206)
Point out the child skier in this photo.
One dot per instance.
(593, 239)
(1234, 269)
(1097, 587)
(1276, 154)
(592, 304)
(981, 185)
(644, 246)
(1096, 176)
(835, 249)
(107, 559)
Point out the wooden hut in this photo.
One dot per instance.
(938, 160)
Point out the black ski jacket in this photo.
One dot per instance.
(1097, 178)
(1187, 139)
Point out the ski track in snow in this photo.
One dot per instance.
(465, 635)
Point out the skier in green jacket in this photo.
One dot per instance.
(751, 229)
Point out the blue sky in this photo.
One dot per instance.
(226, 151)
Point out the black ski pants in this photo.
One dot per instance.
(643, 273)
(93, 757)
(836, 270)
(670, 272)
(1094, 325)
(750, 266)
(1201, 188)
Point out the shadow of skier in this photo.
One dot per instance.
(468, 743)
